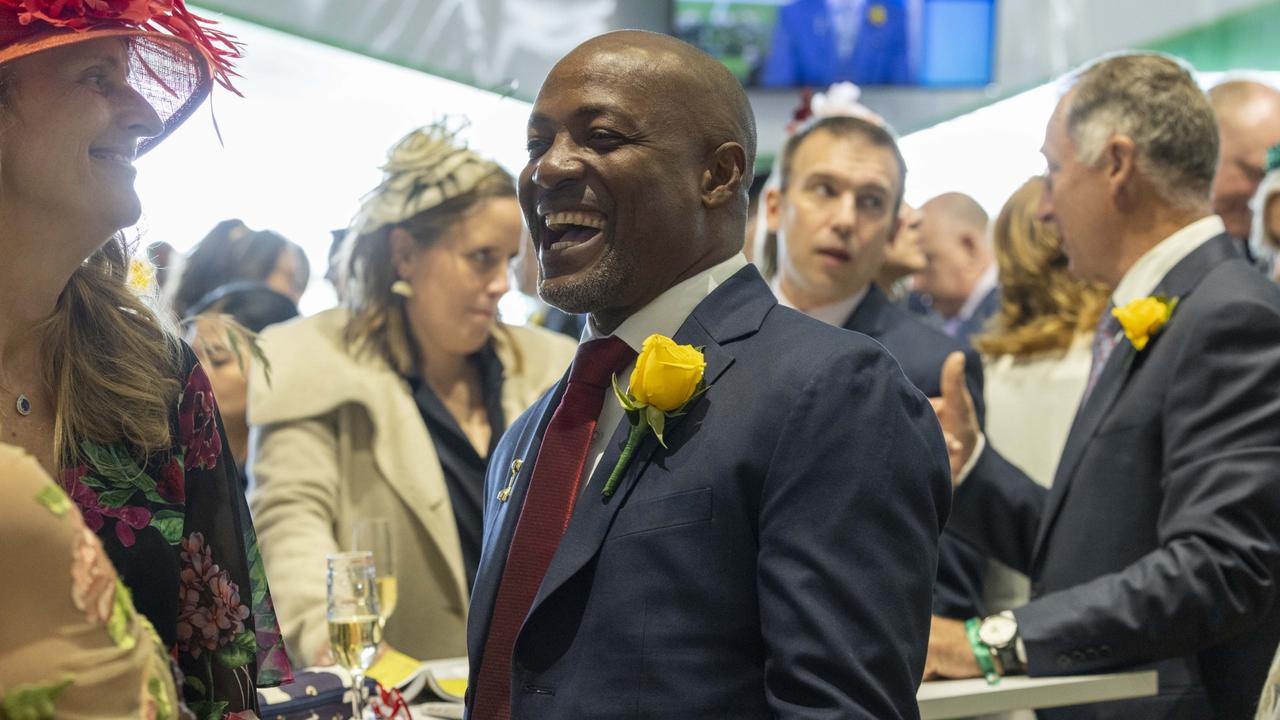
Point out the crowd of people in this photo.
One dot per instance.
(768, 444)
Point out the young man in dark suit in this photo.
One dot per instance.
(835, 212)
(757, 564)
(1158, 545)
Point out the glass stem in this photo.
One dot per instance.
(357, 694)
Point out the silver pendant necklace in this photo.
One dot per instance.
(23, 405)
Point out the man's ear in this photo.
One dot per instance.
(402, 247)
(1119, 164)
(894, 227)
(773, 208)
(722, 180)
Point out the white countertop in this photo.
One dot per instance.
(941, 699)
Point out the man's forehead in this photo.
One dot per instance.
(847, 156)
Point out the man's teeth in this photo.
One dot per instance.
(112, 156)
(565, 220)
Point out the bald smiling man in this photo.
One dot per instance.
(775, 559)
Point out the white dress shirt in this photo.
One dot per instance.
(1145, 275)
(835, 313)
(986, 283)
(663, 316)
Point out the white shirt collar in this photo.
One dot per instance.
(1145, 275)
(986, 283)
(836, 313)
(667, 312)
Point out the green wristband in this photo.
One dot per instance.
(981, 651)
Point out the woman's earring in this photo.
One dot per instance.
(402, 288)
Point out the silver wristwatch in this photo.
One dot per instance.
(1000, 633)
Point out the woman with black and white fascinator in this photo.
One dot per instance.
(389, 406)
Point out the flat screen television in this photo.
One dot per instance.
(813, 43)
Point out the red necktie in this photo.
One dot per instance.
(548, 505)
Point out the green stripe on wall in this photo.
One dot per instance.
(1243, 40)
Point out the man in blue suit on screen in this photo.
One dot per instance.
(774, 555)
(819, 42)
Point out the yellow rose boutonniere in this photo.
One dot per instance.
(667, 378)
(1143, 318)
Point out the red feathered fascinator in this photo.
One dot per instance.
(174, 55)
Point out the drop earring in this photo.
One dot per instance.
(402, 288)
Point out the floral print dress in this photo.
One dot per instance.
(178, 530)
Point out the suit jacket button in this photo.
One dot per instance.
(1077, 655)
(1105, 651)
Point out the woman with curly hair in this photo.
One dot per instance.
(93, 383)
(1036, 355)
(390, 406)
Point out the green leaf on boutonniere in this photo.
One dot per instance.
(657, 421)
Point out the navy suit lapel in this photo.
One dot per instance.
(736, 308)
(501, 516)
(1180, 281)
(868, 317)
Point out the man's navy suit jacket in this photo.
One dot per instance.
(921, 349)
(1158, 544)
(775, 560)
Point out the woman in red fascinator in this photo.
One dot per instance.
(99, 392)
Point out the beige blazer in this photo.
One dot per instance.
(337, 437)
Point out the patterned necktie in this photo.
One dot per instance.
(548, 506)
(1105, 338)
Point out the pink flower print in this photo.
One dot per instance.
(210, 614)
(172, 485)
(128, 519)
(84, 497)
(93, 578)
(197, 426)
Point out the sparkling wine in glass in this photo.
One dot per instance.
(355, 629)
(374, 535)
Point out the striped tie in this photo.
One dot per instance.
(1105, 338)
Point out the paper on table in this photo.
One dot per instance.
(442, 680)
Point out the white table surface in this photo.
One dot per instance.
(942, 699)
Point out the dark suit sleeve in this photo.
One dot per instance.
(848, 533)
(997, 511)
(961, 567)
(1214, 573)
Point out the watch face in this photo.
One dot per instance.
(998, 630)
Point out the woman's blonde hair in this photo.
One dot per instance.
(378, 323)
(113, 361)
(1042, 306)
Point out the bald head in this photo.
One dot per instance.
(958, 208)
(698, 90)
(1248, 114)
(957, 250)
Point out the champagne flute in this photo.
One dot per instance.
(354, 628)
(374, 535)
